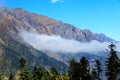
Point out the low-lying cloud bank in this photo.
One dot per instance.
(58, 44)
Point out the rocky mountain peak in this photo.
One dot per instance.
(23, 19)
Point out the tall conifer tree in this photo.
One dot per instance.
(74, 70)
(85, 73)
(98, 69)
(112, 64)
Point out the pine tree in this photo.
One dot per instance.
(35, 75)
(94, 74)
(74, 70)
(38, 73)
(47, 76)
(11, 77)
(112, 64)
(54, 73)
(85, 73)
(99, 69)
(22, 63)
(26, 73)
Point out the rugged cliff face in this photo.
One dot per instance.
(22, 19)
(12, 49)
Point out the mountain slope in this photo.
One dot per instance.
(12, 49)
(44, 25)
(18, 20)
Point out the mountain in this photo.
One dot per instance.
(12, 46)
(22, 19)
(12, 49)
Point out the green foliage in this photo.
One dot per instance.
(54, 73)
(47, 76)
(66, 77)
(25, 72)
(85, 73)
(112, 64)
(11, 77)
(96, 72)
(1, 76)
(79, 70)
(98, 68)
(22, 62)
(25, 75)
(38, 73)
(74, 70)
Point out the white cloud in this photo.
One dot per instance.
(57, 44)
(54, 1)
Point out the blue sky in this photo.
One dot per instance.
(99, 16)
